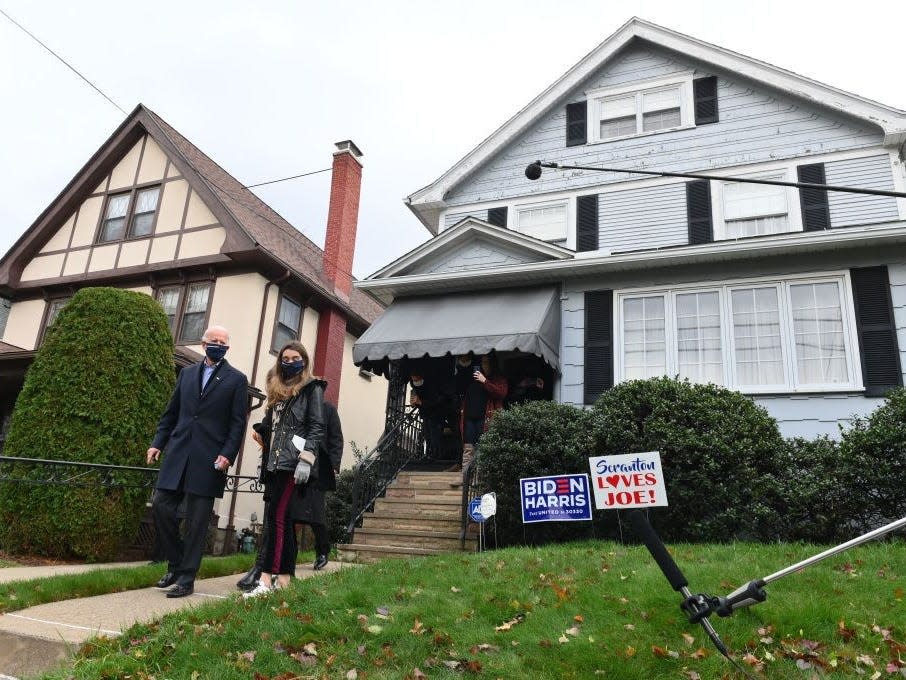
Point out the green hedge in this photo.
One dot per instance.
(534, 439)
(719, 453)
(94, 394)
(874, 473)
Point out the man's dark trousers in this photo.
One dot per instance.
(183, 552)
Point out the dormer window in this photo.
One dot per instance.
(129, 215)
(655, 106)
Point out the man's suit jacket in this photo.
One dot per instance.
(199, 426)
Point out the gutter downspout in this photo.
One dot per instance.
(267, 289)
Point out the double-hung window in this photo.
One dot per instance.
(791, 335)
(645, 108)
(758, 209)
(186, 308)
(289, 323)
(545, 221)
(129, 215)
(53, 311)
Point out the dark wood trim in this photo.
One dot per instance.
(182, 221)
(75, 221)
(138, 166)
(204, 227)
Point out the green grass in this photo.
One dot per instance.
(582, 610)
(28, 593)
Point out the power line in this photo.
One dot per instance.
(67, 64)
(284, 179)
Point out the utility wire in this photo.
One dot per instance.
(68, 65)
(284, 179)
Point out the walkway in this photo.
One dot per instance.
(36, 639)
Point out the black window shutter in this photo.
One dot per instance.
(587, 223)
(598, 343)
(815, 211)
(698, 211)
(497, 216)
(877, 332)
(576, 123)
(705, 93)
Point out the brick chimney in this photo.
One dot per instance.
(339, 248)
(343, 217)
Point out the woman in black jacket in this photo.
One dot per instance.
(291, 437)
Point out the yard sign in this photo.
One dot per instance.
(633, 480)
(559, 498)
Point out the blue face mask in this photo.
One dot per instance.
(290, 369)
(215, 352)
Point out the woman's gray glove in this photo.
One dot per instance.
(303, 467)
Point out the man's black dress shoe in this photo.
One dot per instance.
(166, 580)
(320, 562)
(250, 580)
(181, 590)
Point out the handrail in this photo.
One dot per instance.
(75, 473)
(469, 491)
(399, 445)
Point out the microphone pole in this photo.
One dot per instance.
(696, 606)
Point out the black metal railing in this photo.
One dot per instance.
(75, 473)
(401, 444)
(470, 490)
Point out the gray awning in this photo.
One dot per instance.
(527, 320)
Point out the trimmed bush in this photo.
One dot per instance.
(719, 452)
(873, 452)
(531, 440)
(815, 506)
(94, 394)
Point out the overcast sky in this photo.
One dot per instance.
(266, 88)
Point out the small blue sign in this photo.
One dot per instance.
(560, 498)
(475, 510)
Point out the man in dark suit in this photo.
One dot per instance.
(201, 432)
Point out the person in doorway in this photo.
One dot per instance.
(483, 397)
(291, 433)
(432, 406)
(200, 433)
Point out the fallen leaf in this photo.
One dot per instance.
(574, 631)
(248, 656)
(417, 628)
(417, 674)
(374, 629)
(629, 626)
(305, 659)
(352, 674)
(454, 589)
(578, 618)
(688, 639)
(563, 639)
(311, 649)
(629, 651)
(383, 612)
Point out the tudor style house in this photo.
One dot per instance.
(794, 296)
(150, 212)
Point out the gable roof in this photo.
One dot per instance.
(427, 202)
(465, 230)
(251, 225)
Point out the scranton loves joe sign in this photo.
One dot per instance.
(633, 480)
(560, 498)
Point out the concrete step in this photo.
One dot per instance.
(437, 481)
(415, 492)
(411, 520)
(436, 540)
(364, 553)
(432, 504)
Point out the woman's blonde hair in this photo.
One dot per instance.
(279, 389)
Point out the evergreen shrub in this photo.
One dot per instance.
(719, 452)
(94, 393)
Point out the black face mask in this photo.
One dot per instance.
(215, 352)
(290, 369)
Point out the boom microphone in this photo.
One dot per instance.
(533, 171)
(658, 550)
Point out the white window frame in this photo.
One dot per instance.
(597, 97)
(568, 226)
(728, 348)
(783, 173)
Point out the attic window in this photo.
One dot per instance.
(129, 215)
(545, 221)
(640, 109)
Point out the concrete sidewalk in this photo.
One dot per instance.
(38, 638)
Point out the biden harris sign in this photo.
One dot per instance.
(559, 498)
